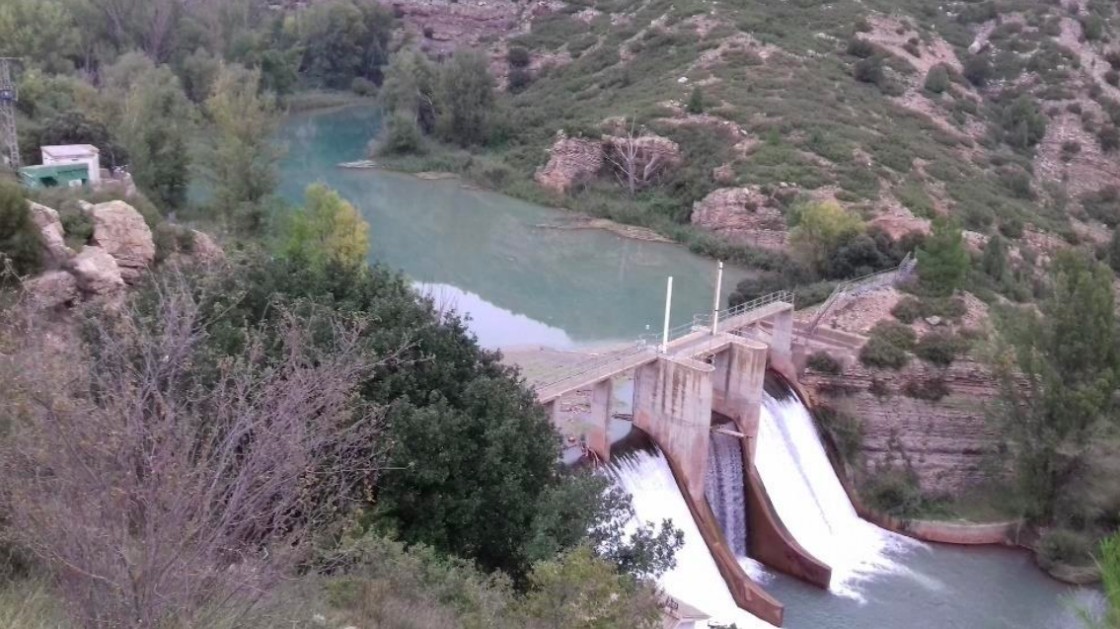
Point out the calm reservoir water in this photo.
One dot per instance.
(488, 256)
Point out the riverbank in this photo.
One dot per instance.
(492, 171)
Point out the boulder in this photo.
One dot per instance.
(52, 289)
(744, 215)
(96, 271)
(571, 161)
(204, 250)
(122, 233)
(53, 237)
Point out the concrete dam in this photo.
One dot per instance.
(742, 471)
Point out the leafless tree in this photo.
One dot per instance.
(637, 158)
(157, 485)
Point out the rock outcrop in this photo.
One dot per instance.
(744, 215)
(52, 234)
(122, 233)
(96, 271)
(947, 443)
(52, 289)
(204, 250)
(571, 161)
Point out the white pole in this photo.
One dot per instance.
(715, 302)
(668, 307)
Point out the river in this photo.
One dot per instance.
(522, 284)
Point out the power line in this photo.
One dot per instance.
(9, 95)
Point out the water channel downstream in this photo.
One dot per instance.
(524, 285)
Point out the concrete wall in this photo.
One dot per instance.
(747, 594)
(737, 386)
(673, 403)
(771, 542)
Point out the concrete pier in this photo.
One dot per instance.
(737, 385)
(673, 404)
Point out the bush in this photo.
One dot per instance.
(1103, 205)
(1092, 27)
(894, 493)
(519, 79)
(860, 47)
(846, 431)
(908, 310)
(19, 237)
(823, 362)
(363, 86)
(1112, 77)
(977, 69)
(401, 135)
(696, 101)
(1109, 138)
(518, 57)
(78, 227)
(1064, 546)
(869, 70)
(878, 352)
(879, 388)
(895, 333)
(930, 389)
(937, 79)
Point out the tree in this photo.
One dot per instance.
(937, 79)
(696, 101)
(328, 230)
(993, 262)
(819, 228)
(19, 237)
(465, 99)
(1022, 123)
(977, 69)
(581, 591)
(943, 260)
(1058, 372)
(410, 89)
(43, 32)
(1114, 250)
(638, 158)
(241, 163)
(151, 487)
(343, 39)
(153, 118)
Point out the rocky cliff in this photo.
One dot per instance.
(947, 443)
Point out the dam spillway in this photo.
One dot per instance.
(812, 503)
(724, 489)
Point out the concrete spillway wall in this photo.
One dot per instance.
(747, 594)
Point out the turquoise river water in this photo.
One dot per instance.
(489, 256)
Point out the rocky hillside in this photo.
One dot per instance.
(1002, 114)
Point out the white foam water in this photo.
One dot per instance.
(813, 505)
(695, 580)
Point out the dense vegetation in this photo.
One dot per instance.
(292, 410)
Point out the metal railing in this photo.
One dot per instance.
(861, 284)
(647, 345)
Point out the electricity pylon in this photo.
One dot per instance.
(9, 94)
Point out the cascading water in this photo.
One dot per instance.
(812, 503)
(646, 476)
(723, 487)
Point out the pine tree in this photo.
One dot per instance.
(943, 262)
(696, 101)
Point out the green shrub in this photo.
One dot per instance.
(1092, 27)
(401, 135)
(930, 389)
(878, 352)
(1103, 205)
(846, 431)
(897, 334)
(894, 492)
(879, 388)
(1064, 546)
(78, 227)
(363, 86)
(19, 237)
(518, 57)
(696, 101)
(908, 310)
(519, 79)
(977, 69)
(869, 70)
(937, 79)
(860, 47)
(1109, 138)
(823, 362)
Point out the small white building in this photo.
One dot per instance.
(75, 154)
